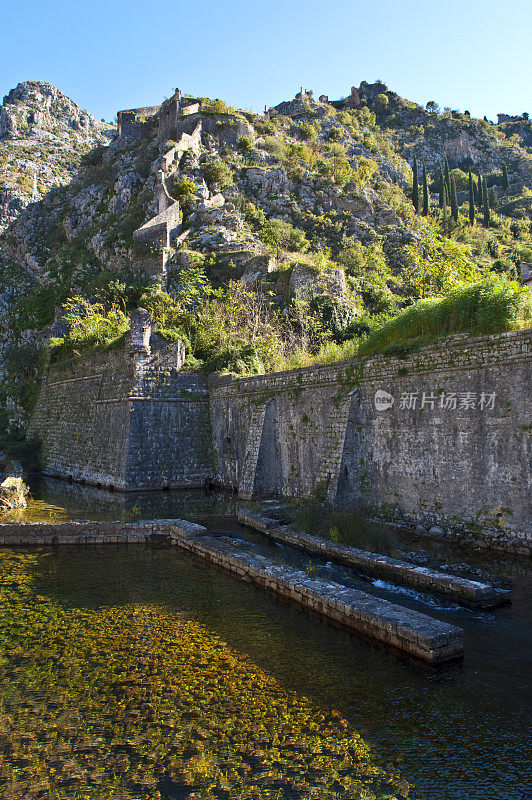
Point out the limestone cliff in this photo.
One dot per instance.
(42, 137)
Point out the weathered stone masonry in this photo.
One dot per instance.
(454, 448)
(288, 433)
(411, 631)
(127, 419)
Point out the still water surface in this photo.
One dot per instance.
(458, 733)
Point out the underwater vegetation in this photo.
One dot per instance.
(135, 701)
(36, 511)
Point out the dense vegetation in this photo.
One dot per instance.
(361, 246)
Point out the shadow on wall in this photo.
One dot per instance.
(269, 479)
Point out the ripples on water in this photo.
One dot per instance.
(460, 733)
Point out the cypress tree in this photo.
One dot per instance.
(425, 193)
(454, 200)
(442, 188)
(485, 204)
(479, 190)
(415, 187)
(471, 200)
(447, 180)
(444, 208)
(505, 181)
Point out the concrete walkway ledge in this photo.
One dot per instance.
(461, 590)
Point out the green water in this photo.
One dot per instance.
(460, 733)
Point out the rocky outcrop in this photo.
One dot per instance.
(306, 282)
(43, 135)
(13, 490)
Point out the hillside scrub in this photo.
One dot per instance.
(91, 326)
(309, 184)
(235, 330)
(493, 305)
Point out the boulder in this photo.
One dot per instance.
(307, 283)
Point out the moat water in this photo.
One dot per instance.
(457, 733)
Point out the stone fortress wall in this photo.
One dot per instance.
(443, 437)
(126, 419)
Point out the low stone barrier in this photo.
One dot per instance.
(84, 532)
(461, 590)
(410, 631)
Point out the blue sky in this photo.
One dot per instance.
(113, 54)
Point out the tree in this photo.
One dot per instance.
(444, 207)
(435, 265)
(492, 198)
(415, 187)
(479, 190)
(425, 193)
(454, 200)
(471, 200)
(505, 181)
(485, 204)
(447, 180)
(442, 189)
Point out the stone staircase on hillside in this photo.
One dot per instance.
(161, 230)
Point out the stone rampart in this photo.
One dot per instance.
(134, 123)
(126, 419)
(440, 437)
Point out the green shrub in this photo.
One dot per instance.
(241, 358)
(245, 145)
(91, 325)
(36, 310)
(492, 305)
(218, 173)
(184, 191)
(283, 236)
(214, 107)
(308, 131)
(275, 147)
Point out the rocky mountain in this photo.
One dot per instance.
(43, 135)
(307, 209)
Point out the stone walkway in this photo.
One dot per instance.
(462, 590)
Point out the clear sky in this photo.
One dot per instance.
(112, 54)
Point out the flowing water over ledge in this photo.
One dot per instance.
(457, 734)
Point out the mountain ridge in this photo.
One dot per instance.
(43, 134)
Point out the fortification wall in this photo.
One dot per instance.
(137, 122)
(126, 421)
(443, 437)
(82, 418)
